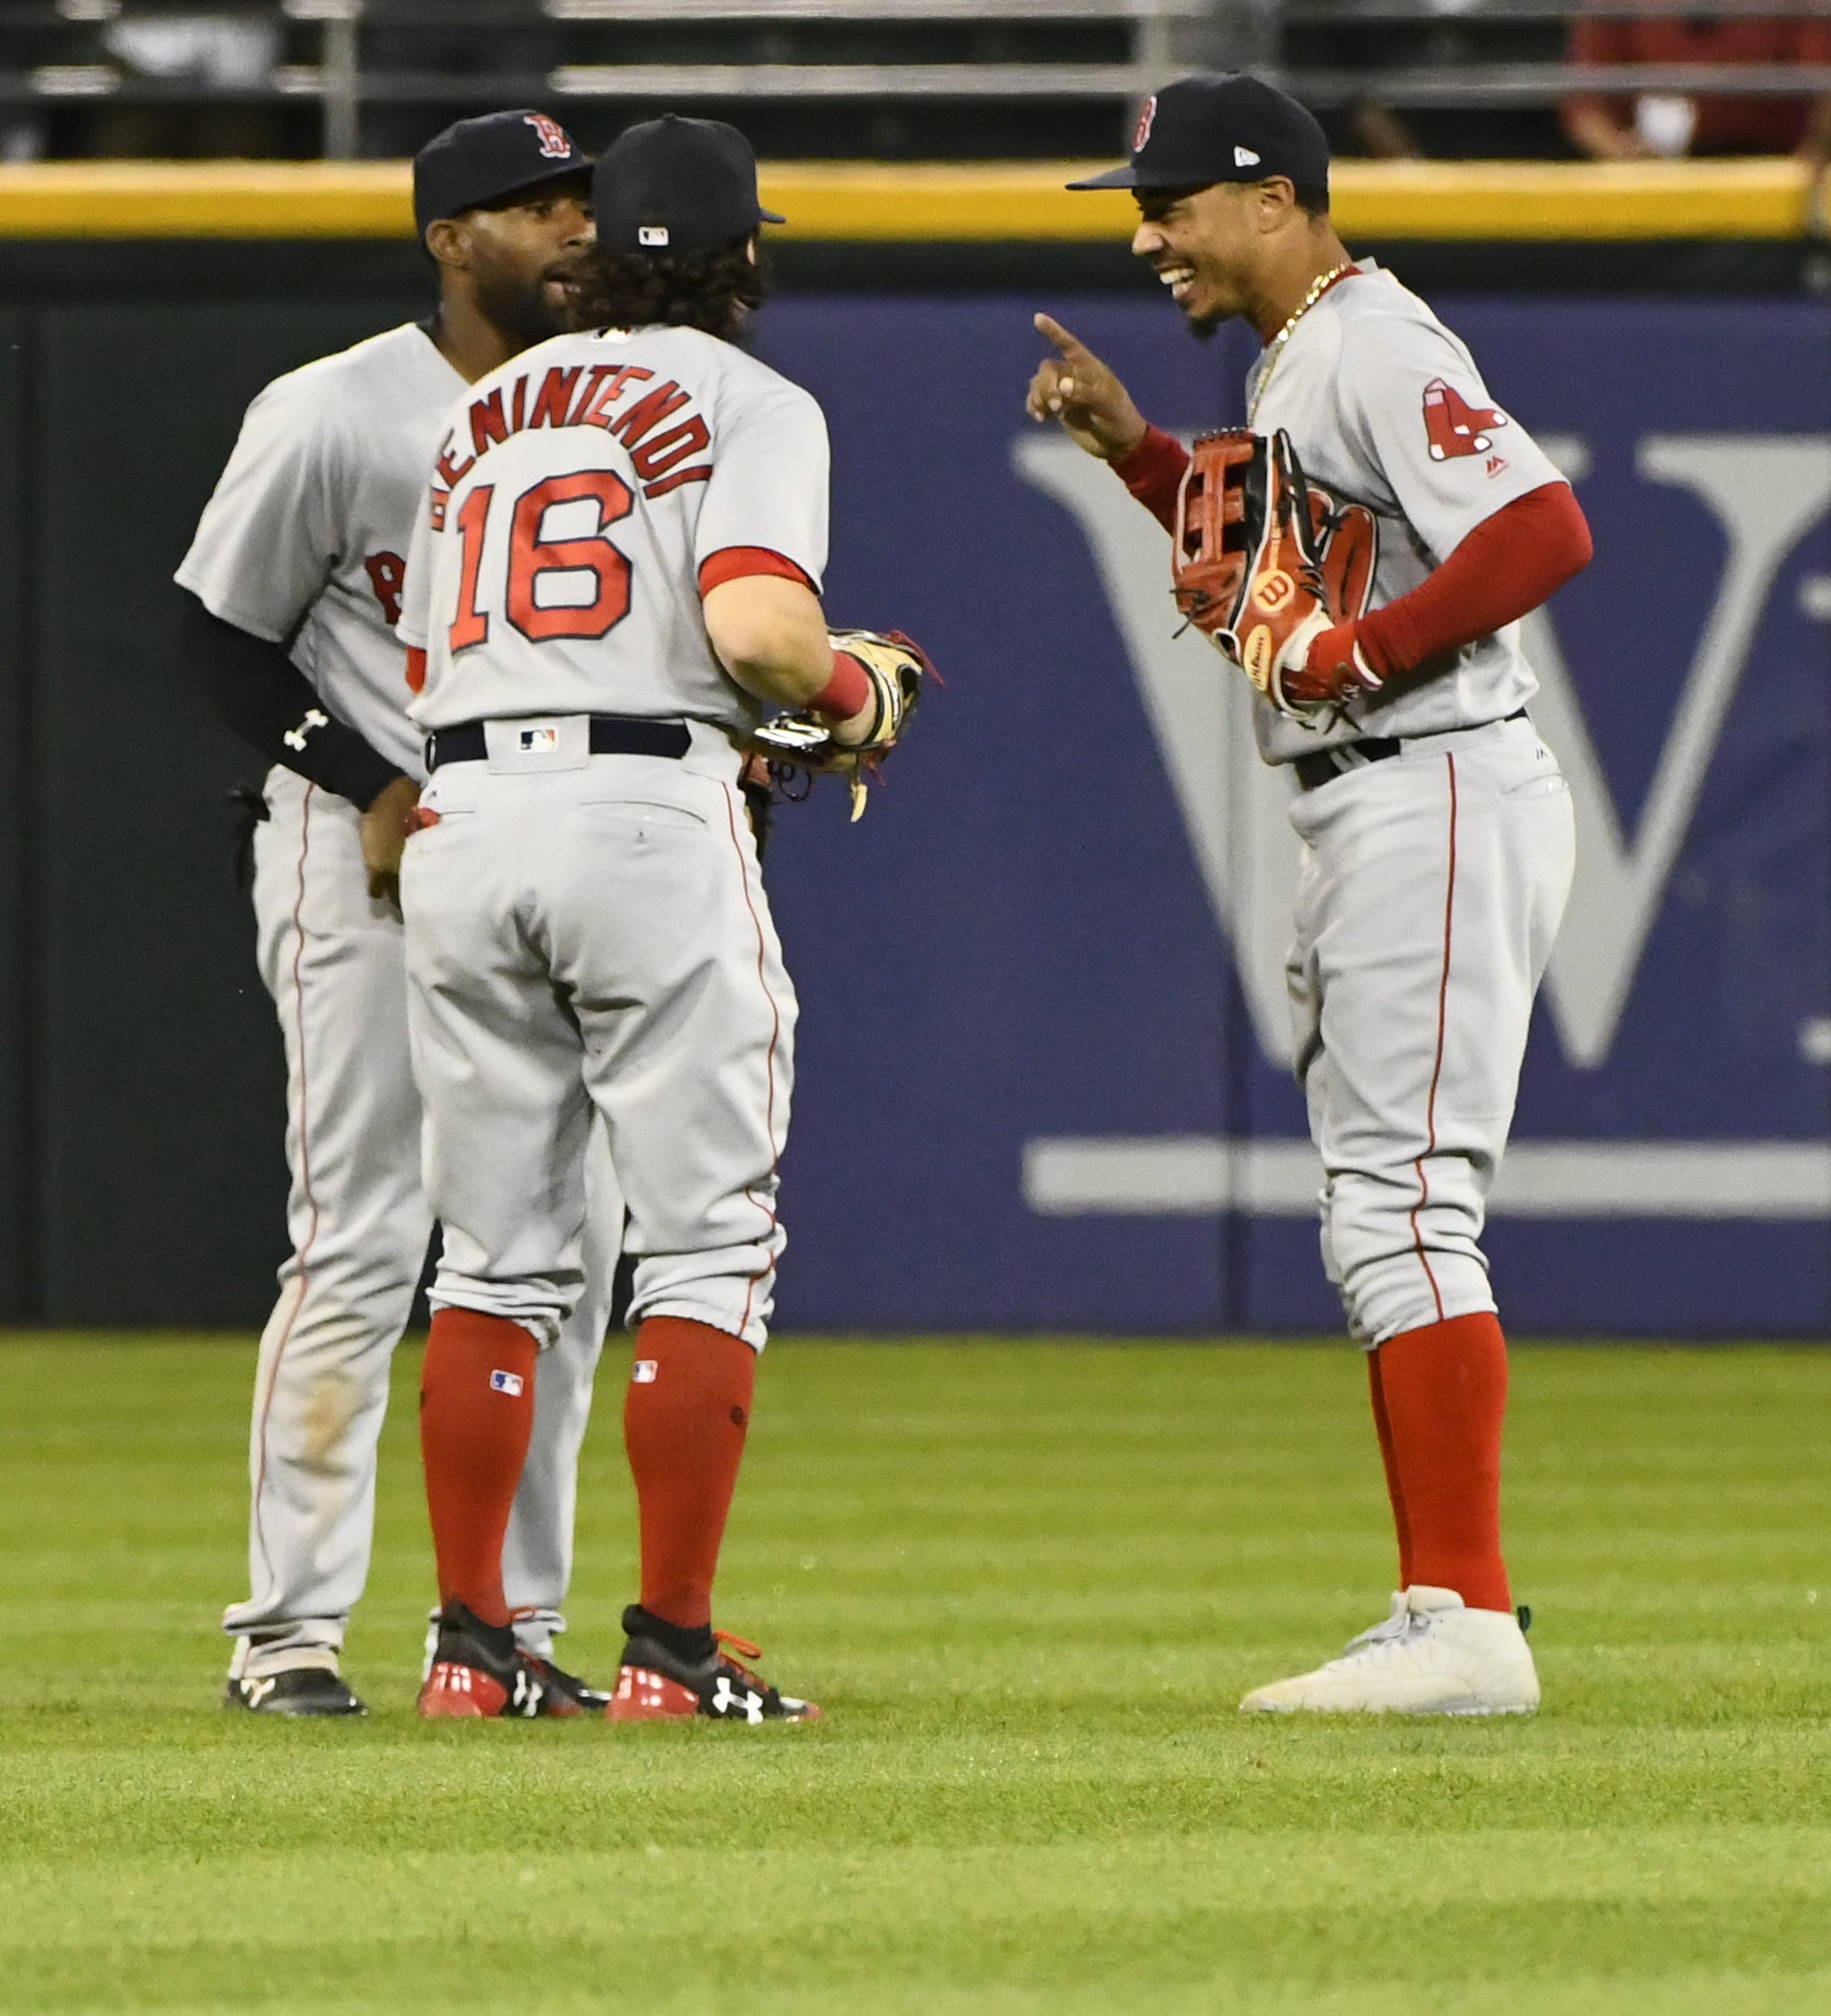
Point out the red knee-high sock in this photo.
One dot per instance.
(1388, 1456)
(1444, 1390)
(683, 1423)
(476, 1411)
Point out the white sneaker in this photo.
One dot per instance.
(1432, 1657)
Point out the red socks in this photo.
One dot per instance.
(683, 1423)
(477, 1412)
(1389, 1457)
(1439, 1396)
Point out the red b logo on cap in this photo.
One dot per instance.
(1146, 118)
(555, 147)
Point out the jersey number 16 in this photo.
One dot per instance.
(530, 557)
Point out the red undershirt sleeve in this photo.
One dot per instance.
(1508, 566)
(732, 563)
(1152, 472)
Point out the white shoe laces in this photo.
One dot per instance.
(1386, 1636)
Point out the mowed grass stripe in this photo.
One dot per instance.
(1030, 1584)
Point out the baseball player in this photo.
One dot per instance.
(1364, 556)
(619, 557)
(295, 582)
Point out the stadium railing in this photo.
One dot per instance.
(353, 59)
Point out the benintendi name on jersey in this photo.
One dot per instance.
(580, 395)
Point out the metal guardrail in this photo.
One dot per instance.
(341, 84)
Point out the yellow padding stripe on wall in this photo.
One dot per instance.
(936, 202)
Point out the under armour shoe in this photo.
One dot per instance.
(669, 1675)
(298, 1690)
(566, 1693)
(1433, 1655)
(479, 1670)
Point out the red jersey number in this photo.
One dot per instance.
(533, 558)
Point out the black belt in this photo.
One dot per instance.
(1322, 766)
(612, 734)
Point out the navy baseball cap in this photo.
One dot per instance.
(1230, 128)
(483, 161)
(675, 185)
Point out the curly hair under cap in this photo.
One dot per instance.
(715, 291)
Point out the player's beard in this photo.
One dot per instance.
(523, 309)
(1203, 327)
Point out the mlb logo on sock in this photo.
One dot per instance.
(642, 1372)
(507, 1382)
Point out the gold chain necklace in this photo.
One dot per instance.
(1274, 349)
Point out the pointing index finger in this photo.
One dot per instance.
(1071, 346)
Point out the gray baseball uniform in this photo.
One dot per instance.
(303, 543)
(1434, 875)
(589, 930)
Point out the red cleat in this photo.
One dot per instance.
(655, 1683)
(459, 1692)
(478, 1672)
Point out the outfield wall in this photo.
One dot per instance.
(1042, 1080)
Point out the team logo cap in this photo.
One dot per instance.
(482, 160)
(1209, 128)
(675, 185)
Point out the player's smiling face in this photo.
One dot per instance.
(1202, 245)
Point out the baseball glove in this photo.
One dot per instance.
(804, 742)
(1263, 567)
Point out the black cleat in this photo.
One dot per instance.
(566, 1693)
(298, 1690)
(668, 1674)
(479, 1670)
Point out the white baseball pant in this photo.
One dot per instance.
(333, 962)
(591, 933)
(1432, 886)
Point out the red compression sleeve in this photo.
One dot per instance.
(1152, 472)
(1508, 565)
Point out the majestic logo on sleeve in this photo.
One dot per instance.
(1147, 119)
(1455, 427)
(554, 143)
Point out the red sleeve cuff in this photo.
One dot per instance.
(732, 563)
(1152, 472)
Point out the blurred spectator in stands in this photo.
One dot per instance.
(1621, 129)
(466, 40)
(216, 52)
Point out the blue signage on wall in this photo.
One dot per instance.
(1043, 1080)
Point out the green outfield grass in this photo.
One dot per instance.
(1030, 1584)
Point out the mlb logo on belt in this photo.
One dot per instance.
(538, 741)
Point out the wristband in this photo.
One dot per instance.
(846, 692)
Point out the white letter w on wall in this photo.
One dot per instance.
(1765, 491)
